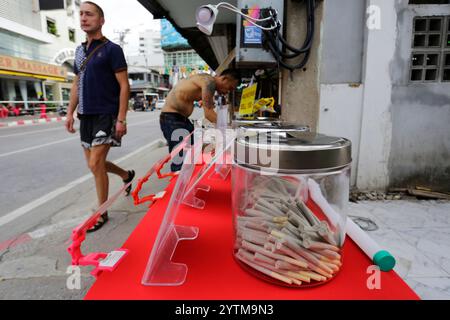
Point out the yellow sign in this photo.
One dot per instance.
(247, 100)
(31, 67)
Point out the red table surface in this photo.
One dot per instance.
(214, 274)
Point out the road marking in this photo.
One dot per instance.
(31, 132)
(59, 141)
(58, 128)
(50, 196)
(36, 147)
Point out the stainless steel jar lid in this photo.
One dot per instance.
(242, 122)
(292, 151)
(273, 127)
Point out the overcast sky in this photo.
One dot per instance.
(123, 14)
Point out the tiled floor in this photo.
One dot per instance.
(417, 233)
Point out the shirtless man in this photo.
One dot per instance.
(180, 104)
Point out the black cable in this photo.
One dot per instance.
(288, 66)
(273, 37)
(310, 31)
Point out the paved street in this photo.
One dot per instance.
(47, 190)
(39, 159)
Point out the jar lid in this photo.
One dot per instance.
(272, 127)
(292, 151)
(243, 122)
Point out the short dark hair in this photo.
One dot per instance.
(232, 73)
(99, 9)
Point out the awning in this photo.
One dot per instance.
(20, 67)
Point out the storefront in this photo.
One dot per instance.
(24, 80)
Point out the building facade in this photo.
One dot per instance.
(150, 52)
(386, 86)
(378, 74)
(39, 40)
(180, 60)
(146, 81)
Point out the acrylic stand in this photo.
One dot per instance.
(190, 196)
(194, 186)
(160, 270)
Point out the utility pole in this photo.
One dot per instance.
(121, 36)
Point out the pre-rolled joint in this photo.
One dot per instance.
(262, 258)
(264, 270)
(257, 213)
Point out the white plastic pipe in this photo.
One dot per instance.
(380, 257)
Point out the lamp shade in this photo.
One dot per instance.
(206, 17)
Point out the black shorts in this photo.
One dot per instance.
(99, 129)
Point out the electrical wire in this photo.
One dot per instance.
(230, 7)
(250, 19)
(273, 38)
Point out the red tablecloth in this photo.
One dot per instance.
(213, 273)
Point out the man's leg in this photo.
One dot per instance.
(112, 168)
(97, 164)
(179, 133)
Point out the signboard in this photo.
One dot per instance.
(64, 55)
(247, 100)
(170, 38)
(31, 67)
(252, 35)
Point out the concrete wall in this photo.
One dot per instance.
(341, 91)
(343, 28)
(300, 94)
(340, 115)
(400, 131)
(420, 150)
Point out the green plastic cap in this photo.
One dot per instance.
(384, 260)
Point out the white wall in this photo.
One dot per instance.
(400, 130)
(340, 115)
(376, 125)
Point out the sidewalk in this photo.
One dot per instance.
(36, 269)
(416, 232)
(29, 120)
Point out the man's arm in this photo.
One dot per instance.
(208, 90)
(73, 103)
(122, 78)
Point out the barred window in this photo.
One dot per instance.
(430, 49)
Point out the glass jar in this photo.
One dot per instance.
(289, 199)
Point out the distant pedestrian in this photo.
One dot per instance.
(15, 110)
(43, 107)
(100, 91)
(3, 111)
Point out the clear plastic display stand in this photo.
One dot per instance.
(223, 166)
(195, 185)
(190, 197)
(161, 271)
